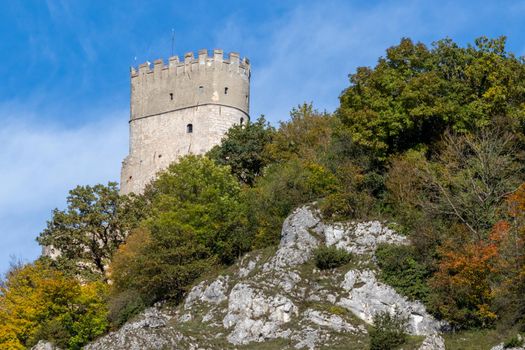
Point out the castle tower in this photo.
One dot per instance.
(182, 108)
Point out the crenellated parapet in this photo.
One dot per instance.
(190, 63)
(204, 79)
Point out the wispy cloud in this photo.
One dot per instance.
(40, 163)
(306, 53)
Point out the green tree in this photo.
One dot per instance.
(198, 221)
(88, 232)
(307, 135)
(415, 93)
(466, 182)
(242, 149)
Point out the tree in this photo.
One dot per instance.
(510, 291)
(415, 93)
(464, 283)
(88, 232)
(38, 302)
(198, 221)
(466, 182)
(307, 135)
(243, 149)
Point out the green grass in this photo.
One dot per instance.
(483, 339)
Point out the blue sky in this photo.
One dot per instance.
(64, 97)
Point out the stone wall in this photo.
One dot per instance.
(209, 93)
(158, 141)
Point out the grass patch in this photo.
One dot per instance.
(483, 339)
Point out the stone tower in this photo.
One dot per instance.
(182, 108)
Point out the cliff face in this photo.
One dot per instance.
(280, 300)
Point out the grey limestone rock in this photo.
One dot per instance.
(214, 293)
(151, 330)
(362, 237)
(433, 342)
(332, 321)
(297, 242)
(44, 345)
(255, 316)
(367, 297)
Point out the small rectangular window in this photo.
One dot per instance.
(171, 96)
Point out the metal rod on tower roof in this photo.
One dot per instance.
(172, 40)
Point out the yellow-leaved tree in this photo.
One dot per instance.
(38, 302)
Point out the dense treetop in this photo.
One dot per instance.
(414, 93)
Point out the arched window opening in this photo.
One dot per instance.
(242, 121)
(171, 96)
(201, 89)
(226, 90)
(189, 128)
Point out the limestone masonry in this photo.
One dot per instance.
(184, 107)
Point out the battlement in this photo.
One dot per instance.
(196, 79)
(191, 62)
(184, 105)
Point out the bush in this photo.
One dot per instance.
(401, 270)
(513, 342)
(124, 306)
(331, 257)
(389, 331)
(282, 188)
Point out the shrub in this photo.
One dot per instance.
(124, 306)
(513, 342)
(389, 331)
(401, 270)
(282, 188)
(331, 257)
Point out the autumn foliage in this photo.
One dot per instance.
(37, 302)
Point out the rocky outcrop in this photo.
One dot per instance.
(368, 297)
(151, 330)
(281, 298)
(44, 345)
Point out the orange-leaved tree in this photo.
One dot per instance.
(464, 283)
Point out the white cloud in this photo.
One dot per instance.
(306, 54)
(41, 163)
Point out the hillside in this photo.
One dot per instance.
(279, 299)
